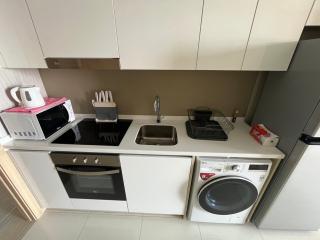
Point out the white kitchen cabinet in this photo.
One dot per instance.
(42, 178)
(314, 17)
(156, 34)
(275, 33)
(225, 32)
(75, 28)
(156, 184)
(19, 45)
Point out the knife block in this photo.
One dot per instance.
(105, 112)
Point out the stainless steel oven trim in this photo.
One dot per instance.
(98, 173)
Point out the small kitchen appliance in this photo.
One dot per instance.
(38, 123)
(225, 190)
(91, 176)
(208, 124)
(90, 132)
(30, 96)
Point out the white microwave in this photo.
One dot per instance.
(38, 126)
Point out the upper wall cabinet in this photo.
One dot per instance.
(155, 34)
(275, 33)
(19, 45)
(75, 28)
(225, 32)
(314, 18)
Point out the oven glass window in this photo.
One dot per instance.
(98, 184)
(88, 182)
(226, 196)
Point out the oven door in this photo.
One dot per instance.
(92, 182)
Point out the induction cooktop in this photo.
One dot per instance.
(90, 132)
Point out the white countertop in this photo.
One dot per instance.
(239, 144)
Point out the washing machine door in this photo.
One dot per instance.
(227, 195)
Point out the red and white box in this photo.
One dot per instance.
(264, 136)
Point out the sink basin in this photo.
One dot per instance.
(157, 135)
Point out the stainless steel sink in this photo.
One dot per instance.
(157, 135)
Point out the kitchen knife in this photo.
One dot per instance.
(107, 96)
(103, 97)
(100, 97)
(110, 96)
(97, 96)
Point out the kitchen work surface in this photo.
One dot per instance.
(239, 144)
(100, 226)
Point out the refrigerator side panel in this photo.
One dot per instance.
(289, 98)
(297, 206)
(313, 125)
(289, 106)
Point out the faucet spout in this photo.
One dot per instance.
(156, 106)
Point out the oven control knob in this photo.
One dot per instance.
(235, 168)
(85, 160)
(96, 161)
(74, 160)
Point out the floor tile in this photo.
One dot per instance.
(6, 203)
(57, 226)
(289, 235)
(229, 232)
(111, 227)
(14, 226)
(161, 228)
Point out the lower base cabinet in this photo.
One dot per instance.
(156, 184)
(153, 184)
(42, 178)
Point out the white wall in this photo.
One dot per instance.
(16, 77)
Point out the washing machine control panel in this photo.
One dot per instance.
(208, 169)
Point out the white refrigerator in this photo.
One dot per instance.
(290, 107)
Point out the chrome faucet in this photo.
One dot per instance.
(156, 106)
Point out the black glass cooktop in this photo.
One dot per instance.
(89, 132)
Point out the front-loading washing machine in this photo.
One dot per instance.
(224, 190)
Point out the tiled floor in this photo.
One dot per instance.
(14, 226)
(100, 226)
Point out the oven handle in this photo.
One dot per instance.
(102, 173)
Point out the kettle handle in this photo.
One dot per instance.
(14, 95)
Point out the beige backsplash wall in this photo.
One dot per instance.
(134, 91)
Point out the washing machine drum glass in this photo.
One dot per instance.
(227, 195)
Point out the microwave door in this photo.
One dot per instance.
(53, 119)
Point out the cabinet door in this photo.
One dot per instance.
(75, 28)
(156, 184)
(19, 45)
(155, 34)
(275, 33)
(42, 178)
(225, 32)
(314, 17)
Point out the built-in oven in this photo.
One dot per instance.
(90, 176)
